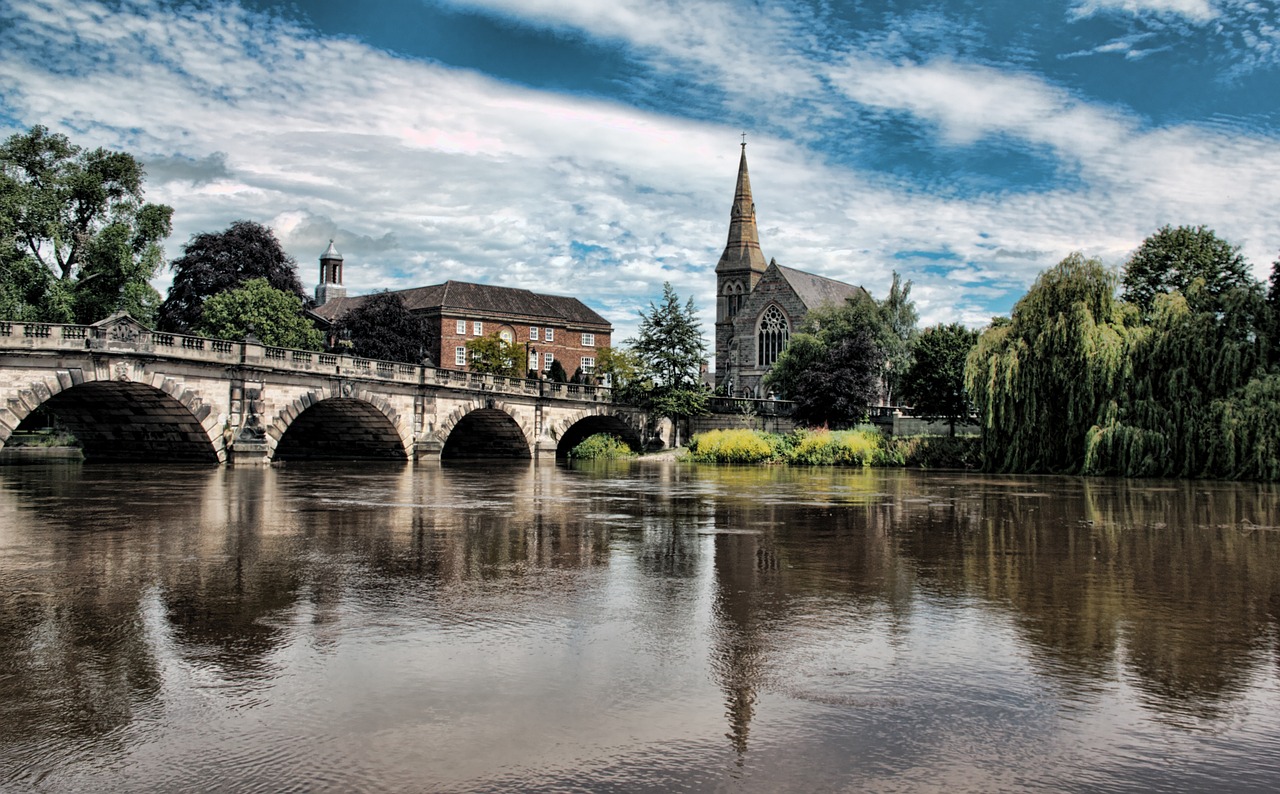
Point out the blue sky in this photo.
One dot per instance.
(590, 148)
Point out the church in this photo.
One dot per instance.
(758, 305)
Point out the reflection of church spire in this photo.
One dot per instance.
(742, 251)
(738, 650)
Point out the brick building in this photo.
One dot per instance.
(758, 305)
(550, 327)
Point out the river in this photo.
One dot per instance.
(633, 626)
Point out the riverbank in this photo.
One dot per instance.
(862, 446)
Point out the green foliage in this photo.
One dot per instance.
(897, 333)
(215, 262)
(493, 355)
(1040, 382)
(670, 351)
(835, 448)
(934, 383)
(933, 452)
(670, 346)
(601, 446)
(734, 446)
(556, 372)
(1173, 259)
(383, 328)
(77, 241)
(274, 317)
(842, 357)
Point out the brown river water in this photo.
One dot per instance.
(641, 626)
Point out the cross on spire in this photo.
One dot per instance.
(744, 139)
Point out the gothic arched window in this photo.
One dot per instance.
(734, 297)
(775, 331)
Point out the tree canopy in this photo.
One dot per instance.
(934, 382)
(1173, 258)
(832, 367)
(215, 262)
(77, 240)
(383, 328)
(272, 316)
(670, 350)
(897, 333)
(494, 355)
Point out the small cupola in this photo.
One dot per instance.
(330, 286)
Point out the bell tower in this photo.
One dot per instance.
(739, 269)
(330, 285)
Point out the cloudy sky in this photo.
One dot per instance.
(589, 148)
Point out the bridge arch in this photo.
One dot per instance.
(125, 414)
(485, 429)
(576, 427)
(323, 426)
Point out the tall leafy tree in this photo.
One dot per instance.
(671, 350)
(383, 328)
(832, 367)
(215, 262)
(934, 382)
(897, 332)
(77, 240)
(272, 316)
(1173, 258)
(1042, 380)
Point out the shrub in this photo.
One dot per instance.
(731, 446)
(601, 446)
(834, 448)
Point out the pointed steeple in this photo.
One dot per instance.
(742, 251)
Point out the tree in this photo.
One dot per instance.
(556, 372)
(817, 369)
(493, 355)
(1042, 380)
(898, 318)
(79, 241)
(1171, 259)
(934, 383)
(273, 316)
(619, 368)
(215, 262)
(671, 350)
(383, 328)
(832, 367)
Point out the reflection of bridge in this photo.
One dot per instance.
(130, 393)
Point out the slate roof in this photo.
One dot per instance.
(815, 291)
(480, 299)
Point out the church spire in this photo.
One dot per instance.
(742, 251)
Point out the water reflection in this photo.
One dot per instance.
(538, 624)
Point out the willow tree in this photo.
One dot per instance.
(1194, 404)
(1040, 381)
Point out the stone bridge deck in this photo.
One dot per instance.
(131, 393)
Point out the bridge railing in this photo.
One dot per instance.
(752, 407)
(129, 337)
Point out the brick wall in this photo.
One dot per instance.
(566, 345)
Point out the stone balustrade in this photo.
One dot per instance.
(20, 336)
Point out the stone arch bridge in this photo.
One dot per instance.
(129, 393)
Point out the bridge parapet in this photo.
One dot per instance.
(126, 335)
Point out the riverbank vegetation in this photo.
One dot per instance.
(1175, 376)
(601, 446)
(860, 446)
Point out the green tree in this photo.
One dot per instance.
(619, 368)
(833, 367)
(493, 355)
(671, 350)
(1042, 380)
(76, 237)
(1173, 258)
(215, 262)
(934, 382)
(556, 372)
(383, 328)
(897, 331)
(273, 316)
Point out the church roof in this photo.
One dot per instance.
(485, 299)
(814, 290)
(742, 250)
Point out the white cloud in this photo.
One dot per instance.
(1199, 11)
(422, 172)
